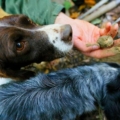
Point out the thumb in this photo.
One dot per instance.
(85, 47)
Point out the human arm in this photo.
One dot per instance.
(40, 11)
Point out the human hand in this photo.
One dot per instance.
(90, 35)
(85, 33)
(107, 52)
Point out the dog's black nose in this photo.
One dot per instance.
(66, 33)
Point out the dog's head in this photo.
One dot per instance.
(23, 42)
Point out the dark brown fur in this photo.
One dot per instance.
(19, 47)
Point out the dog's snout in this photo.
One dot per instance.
(66, 33)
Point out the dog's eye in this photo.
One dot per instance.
(19, 46)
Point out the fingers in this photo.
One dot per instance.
(109, 30)
(113, 31)
(105, 30)
(82, 46)
(102, 53)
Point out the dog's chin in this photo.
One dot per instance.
(52, 56)
(62, 53)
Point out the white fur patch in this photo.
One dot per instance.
(4, 81)
(54, 33)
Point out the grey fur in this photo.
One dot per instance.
(59, 95)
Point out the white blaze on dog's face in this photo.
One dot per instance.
(22, 42)
(60, 36)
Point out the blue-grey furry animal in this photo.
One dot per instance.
(64, 94)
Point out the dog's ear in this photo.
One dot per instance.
(10, 20)
(112, 100)
(18, 20)
(25, 22)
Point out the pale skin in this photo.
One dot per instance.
(85, 33)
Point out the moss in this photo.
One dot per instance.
(105, 41)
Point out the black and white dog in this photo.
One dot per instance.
(64, 94)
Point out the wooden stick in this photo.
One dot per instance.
(102, 10)
(99, 4)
